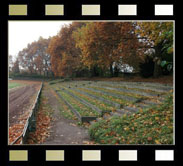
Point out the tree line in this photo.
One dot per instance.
(99, 49)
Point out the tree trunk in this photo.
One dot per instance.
(157, 70)
(94, 72)
(52, 73)
(116, 71)
(157, 61)
(111, 70)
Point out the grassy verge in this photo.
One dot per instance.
(65, 111)
(63, 108)
(43, 122)
(149, 126)
(13, 85)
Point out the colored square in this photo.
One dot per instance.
(127, 155)
(127, 10)
(54, 10)
(54, 155)
(15, 10)
(90, 10)
(18, 155)
(91, 155)
(164, 155)
(163, 10)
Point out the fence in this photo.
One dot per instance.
(30, 124)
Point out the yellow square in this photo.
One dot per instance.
(127, 10)
(127, 155)
(15, 10)
(55, 155)
(90, 10)
(18, 155)
(91, 155)
(54, 10)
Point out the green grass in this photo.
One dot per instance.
(114, 99)
(55, 81)
(81, 108)
(143, 90)
(101, 105)
(13, 85)
(119, 92)
(149, 126)
(65, 111)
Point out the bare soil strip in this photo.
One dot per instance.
(20, 101)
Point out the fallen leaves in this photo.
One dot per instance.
(43, 122)
(149, 138)
(16, 130)
(126, 128)
(89, 142)
(157, 118)
(157, 142)
(151, 126)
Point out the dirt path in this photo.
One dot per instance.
(63, 131)
(19, 101)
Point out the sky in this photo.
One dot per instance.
(21, 33)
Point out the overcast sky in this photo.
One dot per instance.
(23, 32)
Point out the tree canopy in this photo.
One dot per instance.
(103, 43)
(99, 48)
(160, 36)
(35, 57)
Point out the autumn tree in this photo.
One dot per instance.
(85, 38)
(35, 57)
(15, 68)
(157, 35)
(103, 43)
(65, 57)
(129, 48)
(97, 46)
(26, 58)
(42, 58)
(55, 58)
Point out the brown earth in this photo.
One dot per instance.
(26, 82)
(20, 101)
